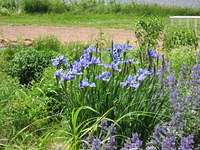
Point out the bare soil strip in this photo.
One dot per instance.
(66, 34)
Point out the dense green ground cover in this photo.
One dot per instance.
(96, 97)
(76, 96)
(83, 20)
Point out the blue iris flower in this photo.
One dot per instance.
(90, 49)
(114, 65)
(58, 60)
(145, 72)
(58, 73)
(105, 76)
(131, 81)
(154, 54)
(95, 61)
(85, 83)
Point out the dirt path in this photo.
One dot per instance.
(66, 34)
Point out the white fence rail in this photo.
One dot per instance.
(189, 21)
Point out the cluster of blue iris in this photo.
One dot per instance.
(86, 60)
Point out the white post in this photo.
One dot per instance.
(195, 25)
(172, 21)
(179, 21)
(195, 21)
(188, 23)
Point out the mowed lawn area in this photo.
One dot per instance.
(119, 21)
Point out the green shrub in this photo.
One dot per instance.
(148, 33)
(29, 65)
(43, 6)
(37, 6)
(182, 56)
(178, 37)
(49, 42)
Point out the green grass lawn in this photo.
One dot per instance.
(85, 20)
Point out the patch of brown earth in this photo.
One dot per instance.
(66, 34)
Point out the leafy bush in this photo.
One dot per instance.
(49, 42)
(37, 6)
(148, 33)
(29, 65)
(44, 6)
(179, 36)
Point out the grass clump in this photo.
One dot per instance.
(182, 57)
(49, 42)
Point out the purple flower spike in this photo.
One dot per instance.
(104, 125)
(169, 143)
(187, 143)
(96, 144)
(85, 83)
(110, 144)
(112, 129)
(133, 143)
(151, 148)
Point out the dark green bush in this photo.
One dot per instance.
(178, 37)
(37, 6)
(29, 65)
(49, 42)
(43, 6)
